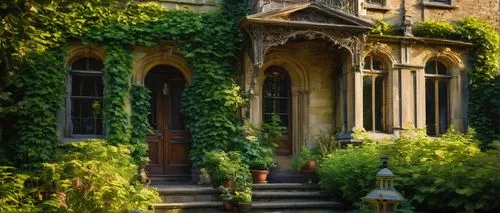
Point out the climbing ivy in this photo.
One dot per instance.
(40, 90)
(208, 41)
(117, 75)
(484, 104)
(139, 120)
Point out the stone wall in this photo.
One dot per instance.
(488, 10)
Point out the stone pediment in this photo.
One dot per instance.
(311, 13)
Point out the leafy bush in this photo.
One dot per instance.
(14, 197)
(382, 28)
(92, 176)
(350, 174)
(435, 28)
(327, 143)
(222, 166)
(257, 143)
(446, 174)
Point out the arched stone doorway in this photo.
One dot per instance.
(169, 144)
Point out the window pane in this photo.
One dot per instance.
(430, 105)
(375, 1)
(367, 103)
(377, 64)
(276, 93)
(368, 63)
(443, 106)
(88, 64)
(379, 101)
(430, 67)
(441, 69)
(176, 87)
(86, 85)
(86, 116)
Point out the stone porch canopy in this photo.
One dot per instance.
(310, 20)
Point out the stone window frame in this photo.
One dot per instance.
(374, 73)
(68, 128)
(439, 4)
(382, 6)
(437, 78)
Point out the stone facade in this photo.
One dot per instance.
(323, 46)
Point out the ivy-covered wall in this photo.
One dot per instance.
(208, 41)
(484, 102)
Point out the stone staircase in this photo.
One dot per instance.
(188, 199)
(292, 198)
(267, 198)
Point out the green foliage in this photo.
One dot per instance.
(140, 125)
(14, 197)
(34, 138)
(350, 173)
(446, 174)
(92, 176)
(225, 193)
(244, 196)
(258, 148)
(222, 166)
(484, 104)
(117, 75)
(327, 143)
(382, 28)
(305, 155)
(433, 28)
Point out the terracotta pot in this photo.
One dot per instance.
(310, 165)
(228, 184)
(244, 206)
(228, 205)
(259, 176)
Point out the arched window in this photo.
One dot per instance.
(86, 98)
(374, 78)
(277, 101)
(436, 97)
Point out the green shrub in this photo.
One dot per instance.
(222, 166)
(306, 154)
(435, 28)
(350, 174)
(446, 174)
(14, 197)
(92, 176)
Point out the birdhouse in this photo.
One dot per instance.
(384, 198)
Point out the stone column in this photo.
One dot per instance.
(300, 123)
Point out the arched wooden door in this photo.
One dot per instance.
(277, 101)
(169, 144)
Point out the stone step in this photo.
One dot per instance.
(172, 178)
(280, 195)
(285, 187)
(187, 193)
(188, 207)
(297, 204)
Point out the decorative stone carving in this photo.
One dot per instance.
(264, 38)
(309, 15)
(344, 5)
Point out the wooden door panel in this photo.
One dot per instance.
(155, 154)
(169, 145)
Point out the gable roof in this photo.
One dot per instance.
(310, 14)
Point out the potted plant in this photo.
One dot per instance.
(227, 197)
(305, 160)
(244, 199)
(222, 167)
(261, 165)
(263, 156)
